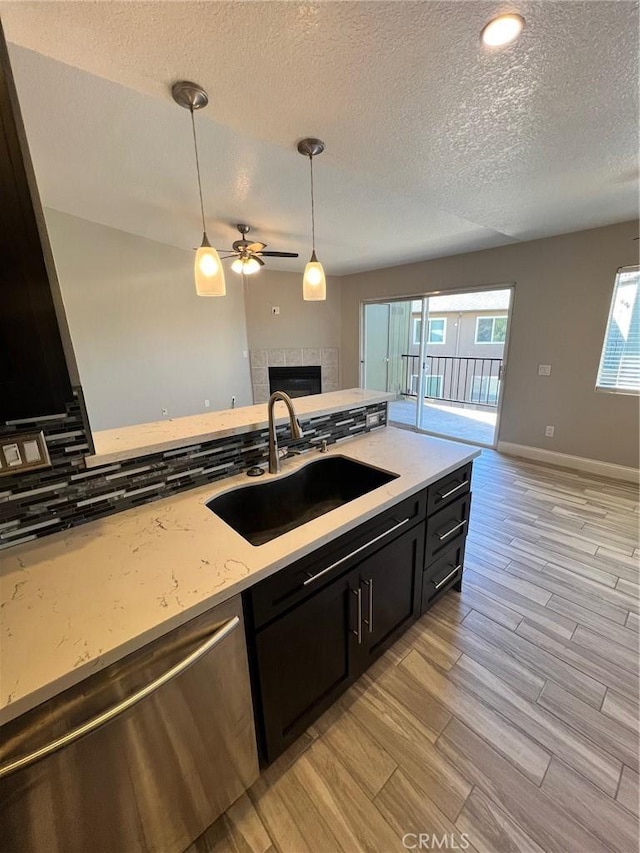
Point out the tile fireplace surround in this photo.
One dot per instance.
(263, 359)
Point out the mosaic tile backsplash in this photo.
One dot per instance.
(36, 504)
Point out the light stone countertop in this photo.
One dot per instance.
(130, 442)
(75, 602)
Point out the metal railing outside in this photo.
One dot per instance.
(454, 379)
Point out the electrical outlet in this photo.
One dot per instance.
(207, 404)
(165, 412)
(544, 370)
(275, 309)
(373, 419)
(549, 431)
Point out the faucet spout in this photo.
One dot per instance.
(294, 423)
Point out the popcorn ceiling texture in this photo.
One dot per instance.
(42, 502)
(435, 146)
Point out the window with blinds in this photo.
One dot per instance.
(620, 361)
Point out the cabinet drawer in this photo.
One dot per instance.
(446, 528)
(449, 489)
(291, 585)
(441, 575)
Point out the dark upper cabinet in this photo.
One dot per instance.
(34, 379)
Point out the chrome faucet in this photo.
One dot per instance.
(296, 431)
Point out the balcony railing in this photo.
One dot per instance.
(455, 380)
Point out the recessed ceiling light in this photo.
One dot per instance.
(502, 30)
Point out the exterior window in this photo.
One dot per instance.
(433, 386)
(491, 330)
(485, 390)
(620, 360)
(436, 330)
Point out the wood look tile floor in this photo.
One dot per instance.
(506, 719)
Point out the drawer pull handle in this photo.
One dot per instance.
(353, 553)
(448, 577)
(358, 631)
(369, 621)
(453, 530)
(443, 495)
(116, 710)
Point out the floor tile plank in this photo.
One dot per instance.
(616, 738)
(513, 743)
(604, 818)
(542, 662)
(558, 737)
(628, 793)
(541, 817)
(491, 829)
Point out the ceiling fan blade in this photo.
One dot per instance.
(259, 260)
(256, 247)
(279, 254)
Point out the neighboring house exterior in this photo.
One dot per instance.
(465, 346)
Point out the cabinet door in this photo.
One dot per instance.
(33, 373)
(305, 661)
(390, 581)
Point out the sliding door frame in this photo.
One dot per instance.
(483, 288)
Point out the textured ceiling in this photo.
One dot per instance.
(434, 145)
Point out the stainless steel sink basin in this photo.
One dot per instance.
(263, 511)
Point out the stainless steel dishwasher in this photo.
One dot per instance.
(141, 756)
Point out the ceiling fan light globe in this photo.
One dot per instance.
(208, 272)
(245, 265)
(314, 283)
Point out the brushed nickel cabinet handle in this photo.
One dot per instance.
(453, 530)
(358, 630)
(443, 495)
(448, 577)
(116, 710)
(369, 621)
(353, 553)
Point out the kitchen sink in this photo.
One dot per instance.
(263, 511)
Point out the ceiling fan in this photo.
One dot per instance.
(248, 256)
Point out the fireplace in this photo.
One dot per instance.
(295, 381)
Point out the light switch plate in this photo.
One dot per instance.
(25, 451)
(544, 370)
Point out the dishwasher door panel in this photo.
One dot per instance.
(155, 776)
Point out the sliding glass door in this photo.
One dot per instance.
(443, 356)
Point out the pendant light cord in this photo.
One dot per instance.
(195, 145)
(313, 213)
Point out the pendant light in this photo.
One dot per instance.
(314, 284)
(208, 271)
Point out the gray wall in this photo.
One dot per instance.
(300, 323)
(563, 287)
(142, 338)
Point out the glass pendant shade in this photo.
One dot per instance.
(245, 265)
(209, 274)
(314, 283)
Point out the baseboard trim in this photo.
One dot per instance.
(566, 460)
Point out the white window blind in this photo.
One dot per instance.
(620, 361)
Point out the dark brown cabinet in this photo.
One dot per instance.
(34, 379)
(314, 627)
(448, 511)
(307, 656)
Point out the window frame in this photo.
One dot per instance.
(493, 319)
(480, 401)
(440, 378)
(628, 392)
(430, 320)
